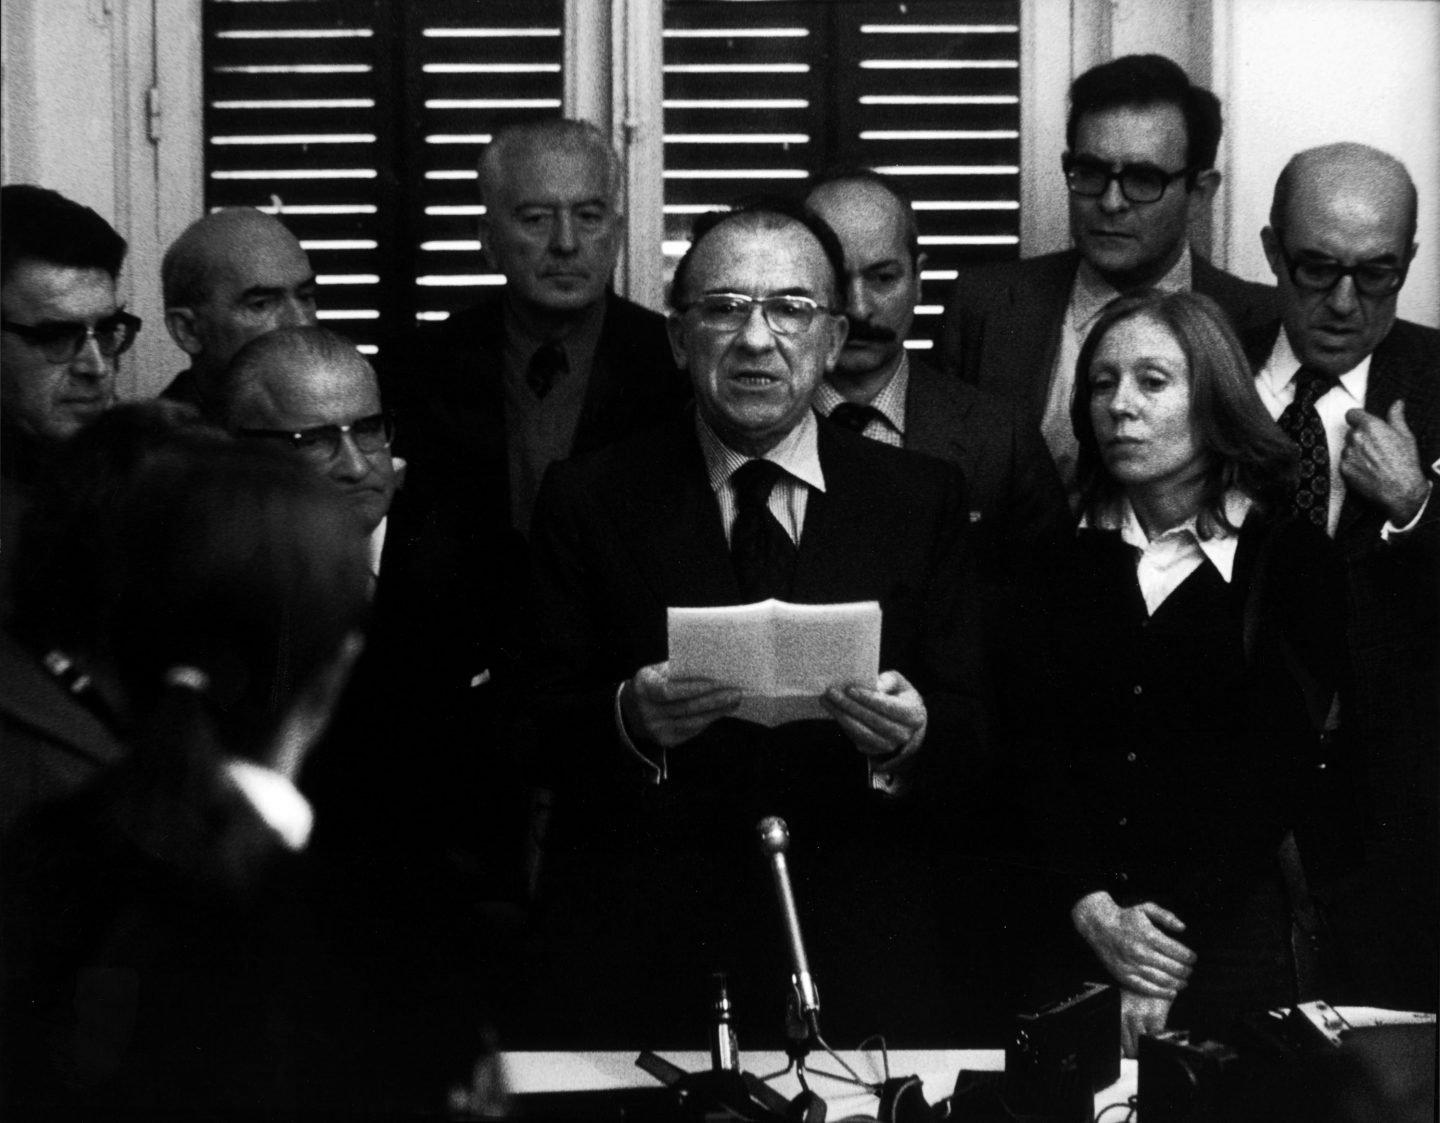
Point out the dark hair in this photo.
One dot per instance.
(766, 212)
(37, 224)
(1141, 81)
(58, 569)
(239, 564)
(1243, 448)
(856, 173)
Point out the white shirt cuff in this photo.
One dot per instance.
(275, 799)
(1390, 530)
(654, 773)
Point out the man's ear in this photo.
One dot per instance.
(1270, 241)
(675, 329)
(839, 329)
(482, 227)
(1207, 183)
(181, 324)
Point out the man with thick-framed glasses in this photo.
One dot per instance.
(61, 331)
(1359, 391)
(658, 786)
(1139, 170)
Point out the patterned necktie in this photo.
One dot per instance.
(1301, 423)
(854, 416)
(763, 554)
(547, 364)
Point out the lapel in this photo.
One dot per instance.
(1389, 381)
(1040, 298)
(844, 530)
(934, 419)
(669, 520)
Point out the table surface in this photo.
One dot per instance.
(937, 1069)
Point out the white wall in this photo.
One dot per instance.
(75, 117)
(1297, 73)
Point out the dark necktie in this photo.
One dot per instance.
(854, 416)
(763, 554)
(547, 364)
(1301, 423)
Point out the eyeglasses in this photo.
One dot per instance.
(730, 311)
(1372, 278)
(1139, 183)
(324, 443)
(61, 342)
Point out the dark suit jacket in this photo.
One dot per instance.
(449, 401)
(50, 744)
(1393, 593)
(1001, 329)
(624, 534)
(1011, 486)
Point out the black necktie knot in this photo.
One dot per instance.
(854, 416)
(1311, 385)
(753, 481)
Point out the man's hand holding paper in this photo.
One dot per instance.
(668, 711)
(887, 724)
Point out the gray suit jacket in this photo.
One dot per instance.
(1011, 486)
(1001, 329)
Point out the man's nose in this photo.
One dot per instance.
(90, 363)
(350, 463)
(1343, 299)
(1113, 199)
(297, 312)
(755, 333)
(858, 305)
(562, 233)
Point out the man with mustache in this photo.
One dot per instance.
(1359, 392)
(554, 362)
(1140, 167)
(890, 394)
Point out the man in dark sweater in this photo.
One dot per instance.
(555, 362)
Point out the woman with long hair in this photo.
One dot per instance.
(1200, 632)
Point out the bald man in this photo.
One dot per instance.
(1359, 391)
(420, 740)
(229, 277)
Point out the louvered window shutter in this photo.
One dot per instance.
(362, 121)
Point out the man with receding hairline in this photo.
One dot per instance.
(654, 871)
(1359, 391)
(554, 362)
(229, 277)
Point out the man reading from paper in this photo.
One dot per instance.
(654, 866)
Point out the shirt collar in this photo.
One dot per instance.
(1092, 292)
(1284, 364)
(1219, 548)
(798, 453)
(890, 401)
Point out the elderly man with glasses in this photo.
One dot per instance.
(1359, 392)
(1140, 168)
(61, 330)
(654, 872)
(417, 790)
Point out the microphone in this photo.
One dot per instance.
(774, 841)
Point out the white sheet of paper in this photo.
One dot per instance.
(781, 656)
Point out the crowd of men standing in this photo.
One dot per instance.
(516, 788)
